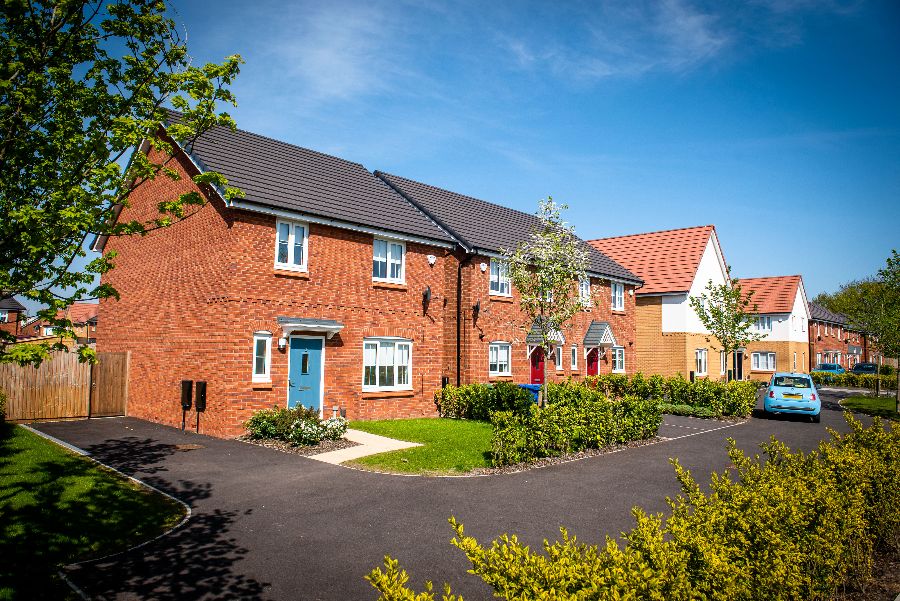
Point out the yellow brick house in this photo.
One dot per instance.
(675, 266)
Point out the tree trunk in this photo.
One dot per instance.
(897, 395)
(546, 383)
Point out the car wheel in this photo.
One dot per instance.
(817, 418)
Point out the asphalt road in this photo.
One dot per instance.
(269, 525)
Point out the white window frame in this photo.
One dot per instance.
(701, 361)
(501, 280)
(379, 363)
(795, 362)
(723, 362)
(763, 323)
(584, 293)
(266, 375)
(557, 357)
(292, 224)
(617, 291)
(818, 358)
(4, 316)
(574, 358)
(618, 359)
(48, 331)
(390, 259)
(770, 361)
(496, 346)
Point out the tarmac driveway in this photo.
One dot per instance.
(269, 525)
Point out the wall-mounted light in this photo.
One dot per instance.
(483, 267)
(631, 292)
(282, 343)
(426, 295)
(431, 260)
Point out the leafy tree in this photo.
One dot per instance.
(82, 84)
(545, 270)
(873, 306)
(725, 310)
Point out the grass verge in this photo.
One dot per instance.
(450, 446)
(59, 508)
(883, 407)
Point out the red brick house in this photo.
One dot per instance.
(12, 312)
(490, 343)
(831, 340)
(84, 318)
(322, 286)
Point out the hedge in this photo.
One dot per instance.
(477, 401)
(736, 398)
(578, 418)
(789, 525)
(822, 378)
(300, 426)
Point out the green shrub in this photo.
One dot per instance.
(886, 370)
(477, 401)
(687, 410)
(678, 390)
(789, 525)
(279, 424)
(853, 380)
(578, 418)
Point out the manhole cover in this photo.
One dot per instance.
(188, 447)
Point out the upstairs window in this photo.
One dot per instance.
(584, 293)
(4, 316)
(618, 296)
(290, 245)
(500, 278)
(389, 261)
(764, 323)
(387, 364)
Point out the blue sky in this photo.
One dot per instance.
(776, 120)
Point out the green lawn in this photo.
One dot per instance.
(877, 406)
(58, 508)
(451, 446)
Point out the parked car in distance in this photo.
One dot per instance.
(793, 393)
(830, 368)
(865, 369)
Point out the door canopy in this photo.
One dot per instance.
(599, 334)
(329, 327)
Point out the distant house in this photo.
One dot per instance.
(492, 345)
(833, 340)
(782, 317)
(676, 265)
(12, 313)
(84, 318)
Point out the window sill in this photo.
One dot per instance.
(500, 378)
(500, 298)
(617, 311)
(387, 394)
(618, 371)
(291, 273)
(267, 385)
(389, 285)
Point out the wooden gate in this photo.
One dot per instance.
(109, 385)
(63, 388)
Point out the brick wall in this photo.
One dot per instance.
(501, 319)
(784, 358)
(829, 341)
(11, 325)
(194, 294)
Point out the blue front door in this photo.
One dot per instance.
(305, 373)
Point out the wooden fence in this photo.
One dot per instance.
(61, 388)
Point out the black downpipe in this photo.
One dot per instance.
(459, 271)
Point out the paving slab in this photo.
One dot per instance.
(368, 444)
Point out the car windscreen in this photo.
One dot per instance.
(826, 366)
(792, 381)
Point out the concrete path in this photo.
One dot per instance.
(369, 444)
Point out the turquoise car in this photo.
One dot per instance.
(830, 368)
(793, 393)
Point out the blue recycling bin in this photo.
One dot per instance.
(534, 389)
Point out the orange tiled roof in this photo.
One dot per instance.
(79, 312)
(773, 294)
(667, 261)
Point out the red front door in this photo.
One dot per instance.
(593, 362)
(537, 366)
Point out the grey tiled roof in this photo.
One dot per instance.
(597, 331)
(9, 303)
(487, 226)
(820, 313)
(280, 175)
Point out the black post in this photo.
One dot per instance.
(187, 396)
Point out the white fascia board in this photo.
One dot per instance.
(298, 215)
